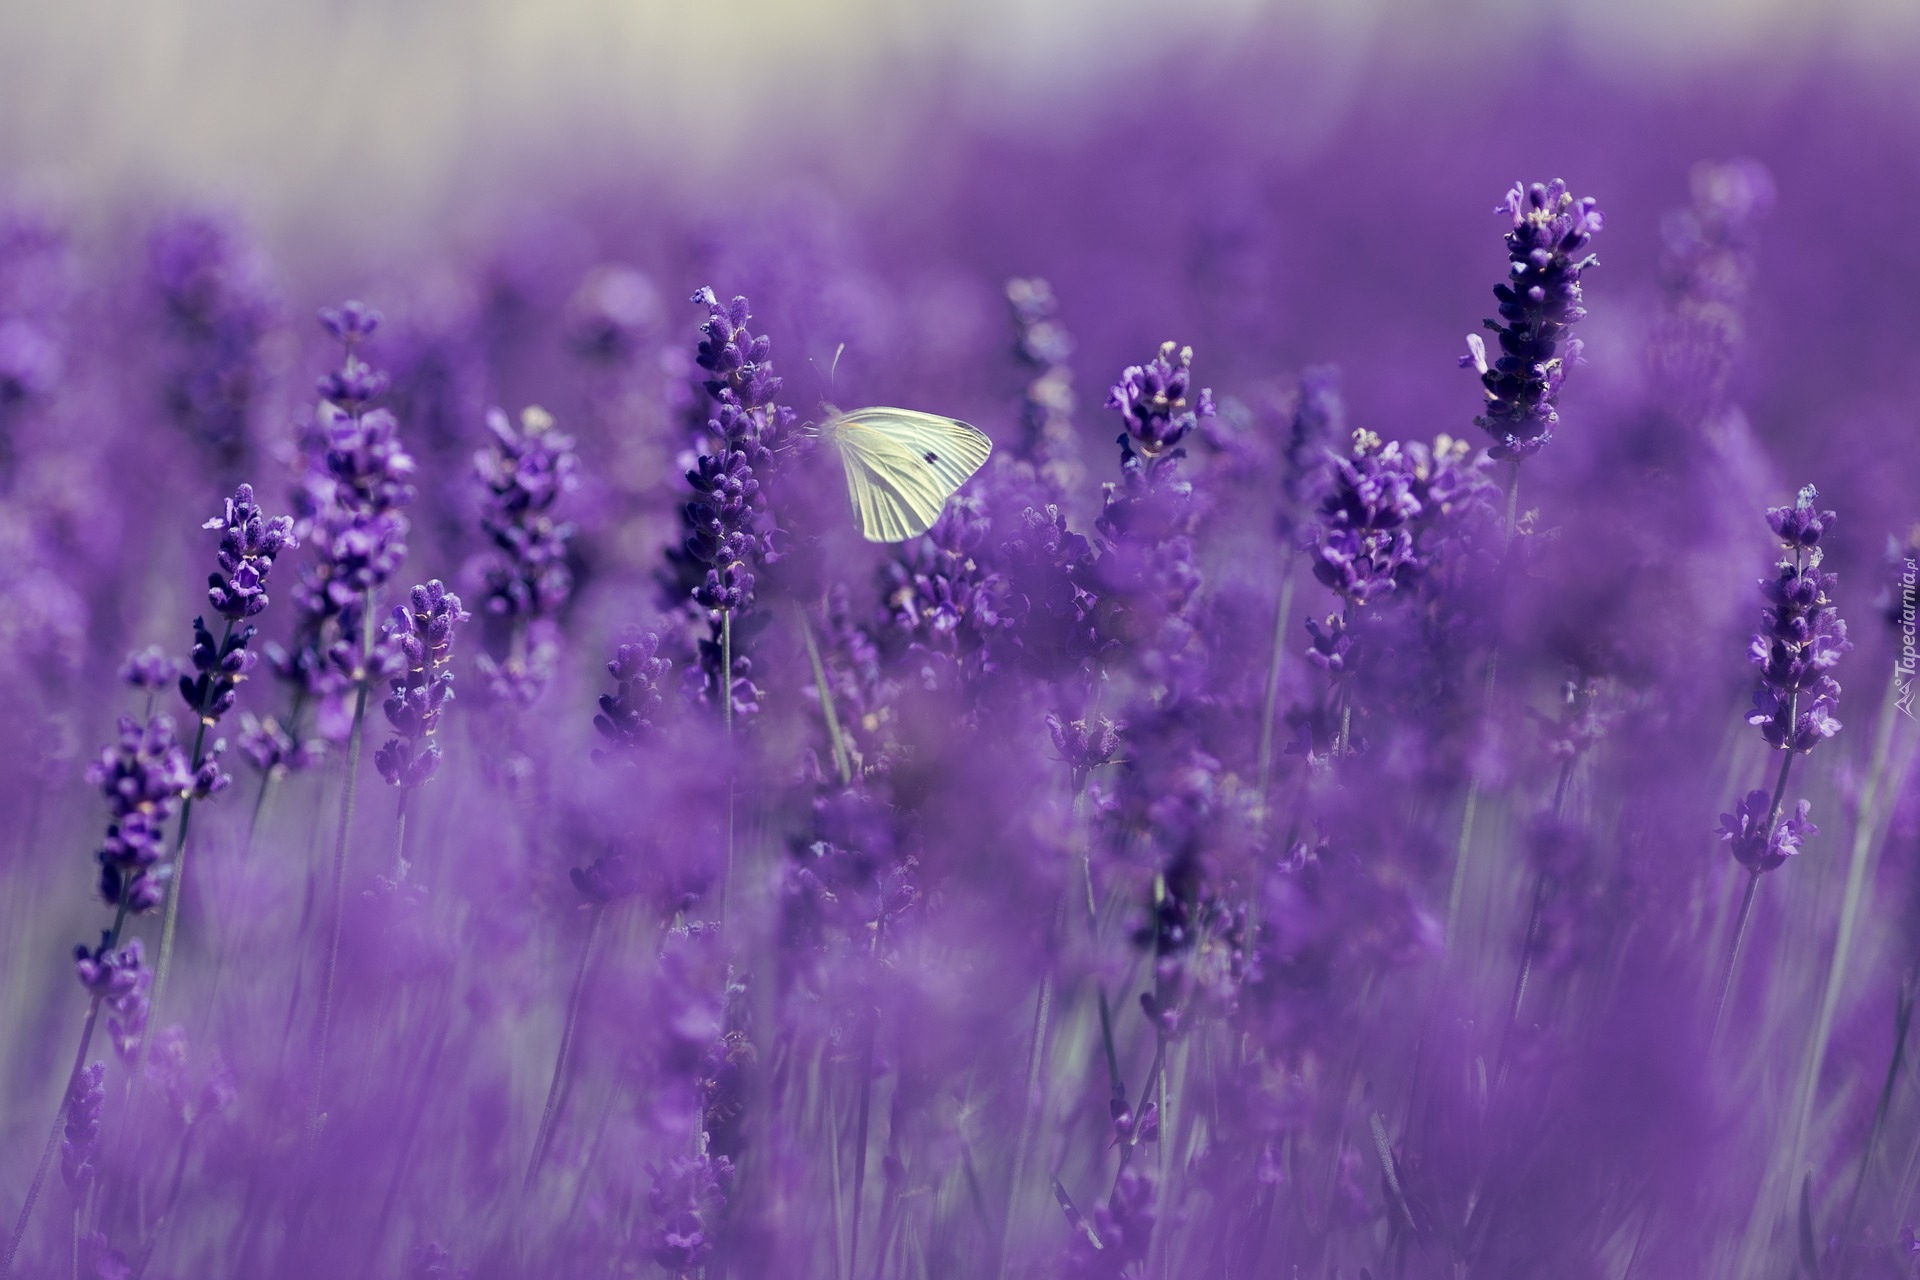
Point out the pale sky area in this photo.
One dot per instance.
(356, 109)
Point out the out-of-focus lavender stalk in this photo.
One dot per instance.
(1318, 419)
(625, 721)
(525, 471)
(1801, 638)
(1046, 347)
(360, 533)
(421, 631)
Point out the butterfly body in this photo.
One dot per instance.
(902, 466)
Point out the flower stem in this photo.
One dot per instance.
(400, 863)
(169, 924)
(547, 1115)
(1733, 957)
(1456, 890)
(842, 758)
(66, 1095)
(1283, 610)
(726, 705)
(314, 1116)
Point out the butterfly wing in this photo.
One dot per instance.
(903, 465)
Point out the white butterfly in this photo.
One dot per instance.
(902, 466)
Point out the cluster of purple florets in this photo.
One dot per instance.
(1801, 637)
(1539, 305)
(419, 638)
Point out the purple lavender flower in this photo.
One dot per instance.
(150, 669)
(81, 1128)
(626, 716)
(729, 534)
(1801, 638)
(422, 632)
(613, 313)
(942, 600)
(525, 471)
(1752, 844)
(1315, 424)
(1046, 407)
(688, 1198)
(1153, 400)
(1115, 1238)
(1709, 264)
(1051, 595)
(249, 544)
(1363, 547)
(1539, 305)
(119, 980)
(1084, 745)
(144, 778)
(273, 748)
(351, 514)
(220, 306)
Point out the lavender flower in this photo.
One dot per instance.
(728, 532)
(626, 716)
(249, 544)
(942, 600)
(1539, 305)
(1317, 421)
(1153, 400)
(351, 513)
(219, 306)
(612, 314)
(1114, 1242)
(1801, 638)
(525, 472)
(273, 748)
(687, 1200)
(119, 980)
(144, 778)
(81, 1129)
(1363, 548)
(1752, 844)
(1046, 408)
(422, 632)
(150, 669)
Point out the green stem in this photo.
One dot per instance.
(314, 1116)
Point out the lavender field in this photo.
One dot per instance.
(1400, 764)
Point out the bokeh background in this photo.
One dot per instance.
(529, 192)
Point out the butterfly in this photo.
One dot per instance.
(902, 466)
